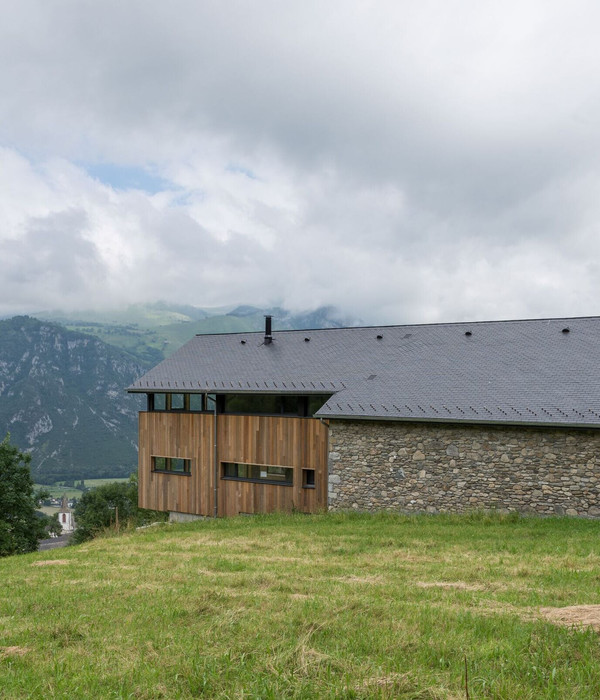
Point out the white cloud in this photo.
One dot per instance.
(405, 161)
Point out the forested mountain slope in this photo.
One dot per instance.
(62, 391)
(62, 399)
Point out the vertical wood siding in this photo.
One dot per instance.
(282, 442)
(287, 442)
(183, 435)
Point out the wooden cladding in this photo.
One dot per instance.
(280, 442)
(184, 436)
(296, 443)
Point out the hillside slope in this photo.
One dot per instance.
(151, 332)
(345, 606)
(62, 399)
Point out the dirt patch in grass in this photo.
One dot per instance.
(574, 616)
(50, 562)
(13, 651)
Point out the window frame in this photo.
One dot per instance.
(309, 477)
(254, 480)
(168, 461)
(186, 408)
(304, 402)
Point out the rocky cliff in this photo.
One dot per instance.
(62, 399)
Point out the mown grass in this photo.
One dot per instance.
(328, 606)
(94, 483)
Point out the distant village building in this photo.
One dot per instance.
(65, 517)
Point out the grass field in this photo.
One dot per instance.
(93, 483)
(331, 606)
(59, 491)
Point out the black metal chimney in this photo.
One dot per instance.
(268, 335)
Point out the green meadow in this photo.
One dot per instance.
(58, 491)
(325, 606)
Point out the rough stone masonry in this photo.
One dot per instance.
(425, 467)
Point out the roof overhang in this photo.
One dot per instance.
(457, 421)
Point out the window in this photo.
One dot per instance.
(308, 478)
(160, 402)
(315, 402)
(259, 473)
(273, 404)
(248, 404)
(172, 465)
(196, 402)
(177, 402)
(256, 403)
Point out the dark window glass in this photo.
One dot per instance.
(283, 474)
(160, 402)
(308, 478)
(211, 402)
(177, 402)
(315, 403)
(259, 472)
(248, 403)
(288, 405)
(272, 404)
(265, 404)
(171, 464)
(196, 403)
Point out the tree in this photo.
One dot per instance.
(20, 527)
(53, 527)
(110, 506)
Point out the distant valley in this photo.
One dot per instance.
(151, 332)
(63, 378)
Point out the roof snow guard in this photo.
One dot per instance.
(519, 372)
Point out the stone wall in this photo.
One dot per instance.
(416, 467)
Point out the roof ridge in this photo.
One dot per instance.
(409, 325)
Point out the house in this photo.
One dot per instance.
(436, 417)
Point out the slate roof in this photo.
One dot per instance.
(518, 372)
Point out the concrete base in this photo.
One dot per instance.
(175, 517)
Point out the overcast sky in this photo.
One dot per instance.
(405, 161)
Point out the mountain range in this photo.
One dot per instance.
(63, 378)
(151, 332)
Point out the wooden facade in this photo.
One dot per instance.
(296, 443)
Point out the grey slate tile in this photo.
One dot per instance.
(505, 371)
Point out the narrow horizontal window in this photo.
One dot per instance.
(172, 465)
(272, 404)
(263, 404)
(178, 402)
(259, 473)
